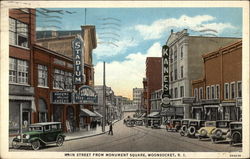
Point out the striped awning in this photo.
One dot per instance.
(98, 114)
(86, 112)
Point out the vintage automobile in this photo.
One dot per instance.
(235, 133)
(139, 122)
(220, 132)
(205, 132)
(40, 134)
(130, 122)
(173, 125)
(184, 126)
(156, 124)
(194, 126)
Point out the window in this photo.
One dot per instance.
(182, 91)
(217, 91)
(212, 92)
(42, 75)
(171, 76)
(232, 90)
(171, 92)
(181, 52)
(175, 71)
(196, 93)
(208, 92)
(18, 33)
(226, 91)
(181, 71)
(175, 54)
(18, 71)
(239, 89)
(176, 92)
(63, 80)
(201, 93)
(171, 56)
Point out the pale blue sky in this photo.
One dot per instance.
(126, 36)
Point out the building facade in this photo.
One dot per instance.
(185, 65)
(137, 92)
(218, 95)
(153, 78)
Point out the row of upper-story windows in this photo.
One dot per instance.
(231, 91)
(18, 33)
(173, 54)
(174, 93)
(19, 73)
(174, 75)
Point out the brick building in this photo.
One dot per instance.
(218, 94)
(153, 78)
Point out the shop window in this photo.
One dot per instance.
(226, 91)
(208, 92)
(42, 75)
(217, 91)
(18, 33)
(212, 92)
(232, 90)
(239, 89)
(201, 93)
(18, 71)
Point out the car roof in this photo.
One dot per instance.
(236, 122)
(45, 123)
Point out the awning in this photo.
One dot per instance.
(86, 112)
(98, 114)
(154, 114)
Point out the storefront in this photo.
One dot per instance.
(197, 111)
(229, 111)
(87, 119)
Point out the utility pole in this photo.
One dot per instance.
(21, 121)
(104, 100)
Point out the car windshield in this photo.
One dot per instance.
(210, 124)
(185, 122)
(36, 128)
(236, 126)
(55, 127)
(193, 123)
(222, 124)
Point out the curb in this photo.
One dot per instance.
(81, 137)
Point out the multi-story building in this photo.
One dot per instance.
(219, 93)
(185, 64)
(156, 100)
(137, 92)
(21, 84)
(153, 78)
(144, 103)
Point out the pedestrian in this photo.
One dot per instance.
(110, 128)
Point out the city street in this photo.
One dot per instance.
(139, 139)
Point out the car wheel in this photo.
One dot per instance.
(59, 141)
(35, 145)
(15, 144)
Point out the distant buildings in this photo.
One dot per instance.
(137, 93)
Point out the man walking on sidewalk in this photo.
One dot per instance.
(110, 128)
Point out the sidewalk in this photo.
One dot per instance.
(79, 134)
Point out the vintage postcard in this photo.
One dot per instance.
(124, 79)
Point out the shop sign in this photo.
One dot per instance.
(86, 95)
(238, 102)
(61, 97)
(78, 60)
(165, 76)
(188, 100)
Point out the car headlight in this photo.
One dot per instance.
(27, 136)
(203, 132)
(19, 137)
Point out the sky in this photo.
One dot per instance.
(126, 36)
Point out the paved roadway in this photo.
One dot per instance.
(140, 139)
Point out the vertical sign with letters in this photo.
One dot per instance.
(165, 76)
(78, 60)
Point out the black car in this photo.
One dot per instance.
(184, 126)
(235, 133)
(194, 126)
(40, 134)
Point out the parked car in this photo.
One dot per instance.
(184, 126)
(156, 124)
(220, 132)
(235, 133)
(173, 125)
(130, 122)
(194, 126)
(40, 134)
(205, 132)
